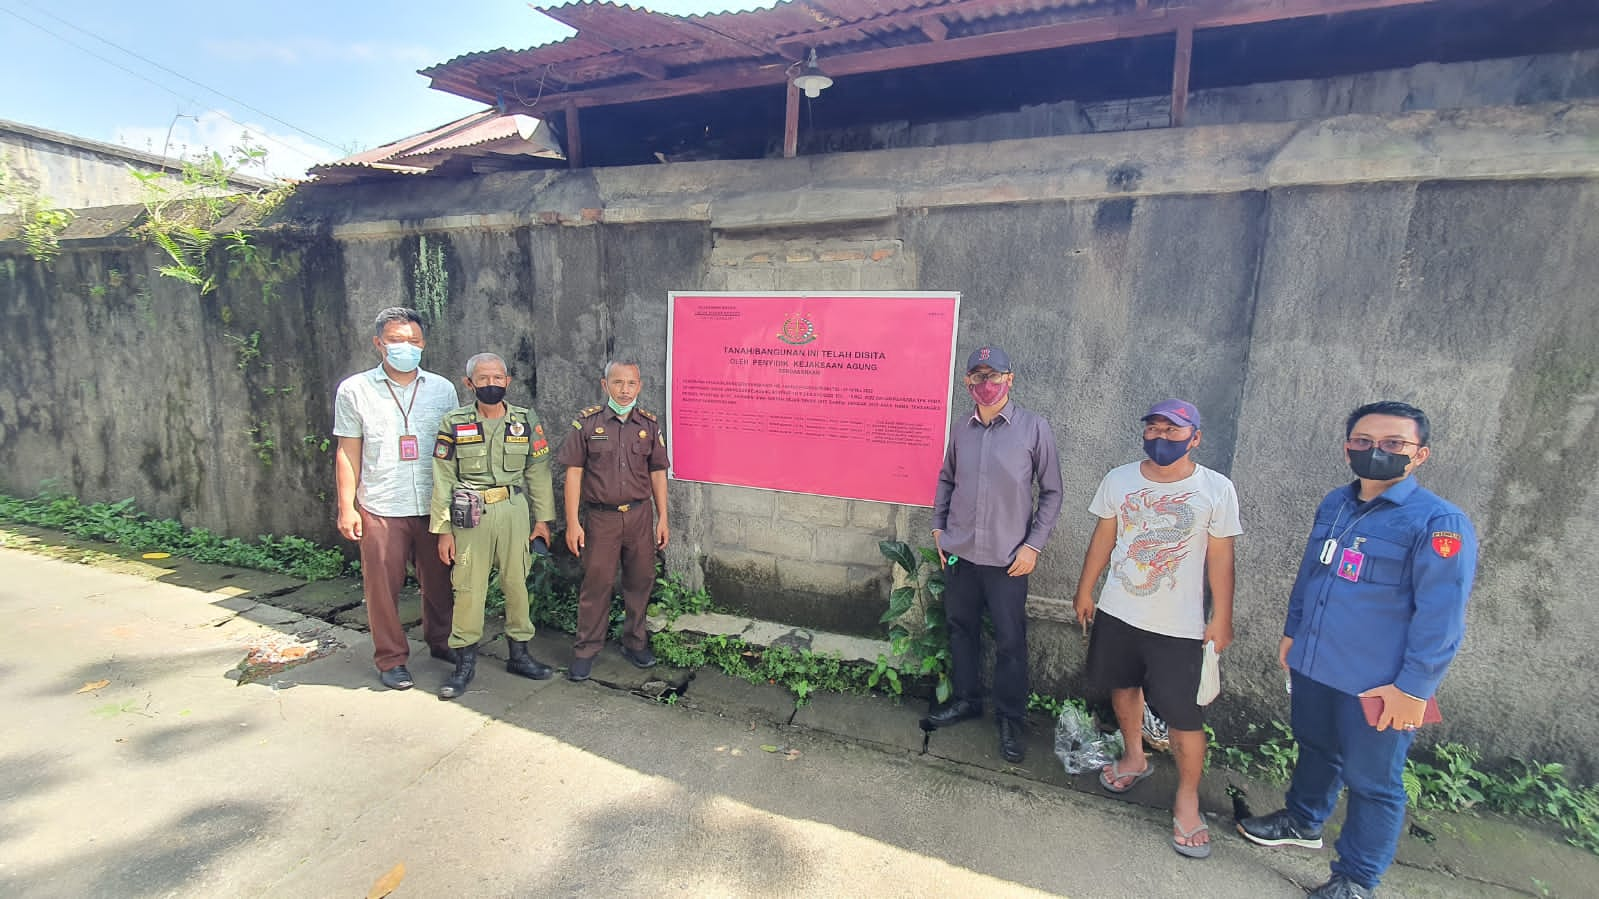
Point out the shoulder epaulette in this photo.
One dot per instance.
(590, 410)
(645, 412)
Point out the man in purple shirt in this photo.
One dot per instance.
(989, 534)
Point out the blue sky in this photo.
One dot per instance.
(311, 81)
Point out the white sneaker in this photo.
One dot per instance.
(1155, 734)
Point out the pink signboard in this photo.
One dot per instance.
(826, 393)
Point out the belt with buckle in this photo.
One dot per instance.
(613, 507)
(493, 495)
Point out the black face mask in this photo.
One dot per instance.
(1375, 465)
(1165, 452)
(490, 395)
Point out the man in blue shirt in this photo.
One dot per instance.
(1375, 617)
(989, 535)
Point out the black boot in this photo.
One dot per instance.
(465, 670)
(525, 665)
(1010, 740)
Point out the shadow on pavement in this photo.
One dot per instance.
(163, 859)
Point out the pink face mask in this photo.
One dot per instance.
(989, 393)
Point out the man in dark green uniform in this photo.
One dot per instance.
(490, 459)
(615, 458)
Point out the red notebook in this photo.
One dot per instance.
(1372, 706)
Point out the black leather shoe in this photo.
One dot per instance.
(1010, 741)
(465, 670)
(580, 669)
(954, 713)
(642, 658)
(442, 653)
(520, 663)
(1279, 829)
(396, 678)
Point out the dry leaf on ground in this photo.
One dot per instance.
(387, 883)
(91, 686)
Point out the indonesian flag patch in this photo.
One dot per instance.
(1445, 543)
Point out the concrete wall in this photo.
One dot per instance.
(1277, 274)
(71, 173)
(1516, 80)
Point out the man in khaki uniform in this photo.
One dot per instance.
(615, 458)
(499, 453)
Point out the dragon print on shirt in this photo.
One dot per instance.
(1160, 528)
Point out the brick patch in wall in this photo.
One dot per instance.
(848, 547)
(824, 510)
(742, 501)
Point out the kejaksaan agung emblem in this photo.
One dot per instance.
(797, 329)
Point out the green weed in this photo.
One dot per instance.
(123, 525)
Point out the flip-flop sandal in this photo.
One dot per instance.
(1116, 773)
(1200, 851)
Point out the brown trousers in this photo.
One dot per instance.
(610, 536)
(387, 544)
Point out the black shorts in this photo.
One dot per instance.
(1122, 656)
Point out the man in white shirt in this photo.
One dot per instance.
(384, 474)
(1166, 526)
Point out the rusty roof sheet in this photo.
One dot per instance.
(616, 42)
(420, 153)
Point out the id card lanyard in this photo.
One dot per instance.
(409, 450)
(1351, 560)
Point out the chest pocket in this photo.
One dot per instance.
(1386, 562)
(641, 445)
(472, 458)
(516, 455)
(601, 445)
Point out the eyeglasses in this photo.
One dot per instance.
(987, 377)
(1167, 432)
(1392, 445)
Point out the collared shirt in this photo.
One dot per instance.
(472, 451)
(984, 504)
(617, 453)
(1389, 605)
(363, 407)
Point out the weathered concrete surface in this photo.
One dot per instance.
(1276, 273)
(170, 780)
(1458, 85)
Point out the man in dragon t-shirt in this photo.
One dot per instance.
(1166, 526)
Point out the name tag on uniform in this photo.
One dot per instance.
(468, 433)
(1349, 565)
(409, 450)
(516, 432)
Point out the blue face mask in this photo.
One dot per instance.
(1165, 452)
(620, 409)
(403, 356)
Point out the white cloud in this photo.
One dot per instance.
(288, 154)
(321, 50)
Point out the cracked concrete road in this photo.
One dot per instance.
(170, 779)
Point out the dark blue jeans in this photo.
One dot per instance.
(1337, 748)
(968, 589)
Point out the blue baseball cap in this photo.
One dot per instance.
(1178, 412)
(991, 356)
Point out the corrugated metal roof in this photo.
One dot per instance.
(420, 153)
(615, 40)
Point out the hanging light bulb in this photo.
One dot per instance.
(811, 80)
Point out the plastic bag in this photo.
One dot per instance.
(1209, 676)
(1080, 746)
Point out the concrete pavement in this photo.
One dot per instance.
(173, 779)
